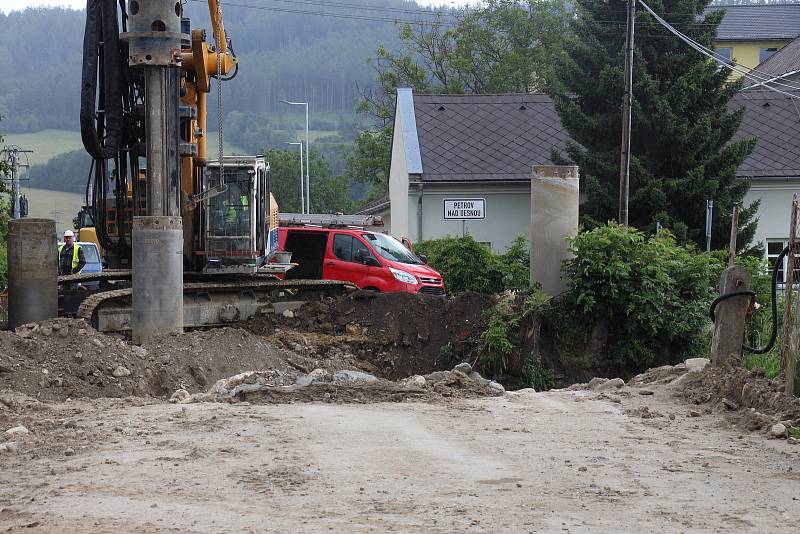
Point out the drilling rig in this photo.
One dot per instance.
(187, 239)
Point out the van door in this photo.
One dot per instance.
(345, 260)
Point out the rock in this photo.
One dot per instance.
(121, 371)
(695, 365)
(497, 387)
(438, 376)
(594, 382)
(69, 452)
(464, 367)
(778, 430)
(179, 396)
(141, 352)
(645, 392)
(98, 343)
(794, 441)
(289, 314)
(694, 413)
(78, 356)
(614, 383)
(354, 329)
(17, 431)
(10, 447)
(46, 331)
(317, 375)
(416, 381)
(729, 404)
(348, 377)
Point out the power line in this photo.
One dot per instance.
(369, 18)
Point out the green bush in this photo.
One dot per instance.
(653, 293)
(466, 265)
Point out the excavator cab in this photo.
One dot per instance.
(241, 215)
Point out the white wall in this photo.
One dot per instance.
(508, 212)
(398, 184)
(776, 203)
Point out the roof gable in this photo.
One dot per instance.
(485, 137)
(784, 62)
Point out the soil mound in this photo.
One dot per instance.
(62, 358)
(753, 401)
(394, 335)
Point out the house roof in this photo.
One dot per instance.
(774, 119)
(784, 61)
(758, 22)
(485, 137)
(373, 206)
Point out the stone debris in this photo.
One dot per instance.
(289, 314)
(179, 396)
(695, 365)
(17, 431)
(614, 383)
(9, 447)
(464, 367)
(415, 381)
(778, 430)
(121, 371)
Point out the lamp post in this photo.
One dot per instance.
(308, 150)
(302, 198)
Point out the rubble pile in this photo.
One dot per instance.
(344, 385)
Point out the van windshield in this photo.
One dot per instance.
(391, 249)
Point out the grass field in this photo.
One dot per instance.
(45, 144)
(43, 203)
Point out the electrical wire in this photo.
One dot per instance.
(736, 67)
(335, 15)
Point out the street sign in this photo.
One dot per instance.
(464, 208)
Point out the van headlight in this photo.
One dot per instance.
(403, 276)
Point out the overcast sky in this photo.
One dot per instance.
(12, 5)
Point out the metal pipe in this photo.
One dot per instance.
(32, 271)
(157, 281)
(161, 102)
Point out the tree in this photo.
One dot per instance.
(329, 194)
(506, 46)
(682, 125)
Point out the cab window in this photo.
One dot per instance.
(348, 248)
(343, 247)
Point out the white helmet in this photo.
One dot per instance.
(69, 233)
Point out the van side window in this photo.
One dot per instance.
(360, 251)
(343, 247)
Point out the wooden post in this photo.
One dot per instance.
(734, 234)
(790, 349)
(730, 316)
(786, 331)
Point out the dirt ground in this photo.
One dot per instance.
(302, 440)
(569, 461)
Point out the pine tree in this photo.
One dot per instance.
(682, 126)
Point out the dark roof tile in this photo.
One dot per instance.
(758, 22)
(485, 137)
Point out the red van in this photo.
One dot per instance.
(369, 260)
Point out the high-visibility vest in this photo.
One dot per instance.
(75, 248)
(230, 215)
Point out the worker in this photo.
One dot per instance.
(237, 216)
(70, 256)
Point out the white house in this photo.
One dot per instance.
(456, 147)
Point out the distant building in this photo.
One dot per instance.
(751, 33)
(456, 147)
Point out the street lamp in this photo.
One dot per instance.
(302, 200)
(308, 149)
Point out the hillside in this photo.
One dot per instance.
(284, 52)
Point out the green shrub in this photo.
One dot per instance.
(500, 336)
(653, 293)
(466, 265)
(535, 375)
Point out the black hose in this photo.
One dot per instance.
(774, 290)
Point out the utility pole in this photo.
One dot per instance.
(709, 215)
(625, 156)
(302, 198)
(14, 152)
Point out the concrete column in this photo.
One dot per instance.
(157, 277)
(554, 217)
(32, 271)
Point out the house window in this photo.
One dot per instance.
(765, 53)
(774, 248)
(725, 53)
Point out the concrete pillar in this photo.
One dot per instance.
(554, 217)
(32, 271)
(157, 277)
